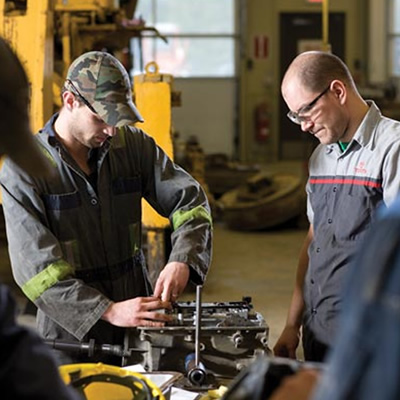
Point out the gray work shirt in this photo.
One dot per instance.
(344, 191)
(75, 244)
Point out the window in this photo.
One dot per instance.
(15, 7)
(201, 37)
(394, 38)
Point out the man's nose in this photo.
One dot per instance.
(110, 130)
(306, 125)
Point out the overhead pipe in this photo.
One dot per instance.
(325, 26)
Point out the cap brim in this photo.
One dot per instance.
(118, 114)
(18, 143)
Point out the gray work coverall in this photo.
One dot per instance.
(75, 242)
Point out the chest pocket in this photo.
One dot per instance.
(127, 195)
(61, 202)
(63, 213)
(344, 210)
(356, 206)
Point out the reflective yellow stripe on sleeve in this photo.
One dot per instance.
(45, 279)
(180, 217)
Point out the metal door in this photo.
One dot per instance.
(300, 32)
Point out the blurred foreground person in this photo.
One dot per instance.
(27, 367)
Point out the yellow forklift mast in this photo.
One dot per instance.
(29, 26)
(48, 35)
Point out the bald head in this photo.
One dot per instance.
(314, 70)
(322, 97)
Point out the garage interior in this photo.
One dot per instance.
(230, 111)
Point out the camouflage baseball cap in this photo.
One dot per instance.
(16, 138)
(103, 82)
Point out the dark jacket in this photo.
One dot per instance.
(27, 367)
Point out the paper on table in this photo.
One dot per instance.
(181, 394)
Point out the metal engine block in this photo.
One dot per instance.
(230, 336)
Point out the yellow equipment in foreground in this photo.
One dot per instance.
(107, 382)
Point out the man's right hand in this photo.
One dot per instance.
(287, 343)
(140, 311)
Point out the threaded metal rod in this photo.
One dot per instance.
(198, 325)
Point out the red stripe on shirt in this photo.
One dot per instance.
(345, 181)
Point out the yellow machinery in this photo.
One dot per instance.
(48, 34)
(29, 27)
(153, 97)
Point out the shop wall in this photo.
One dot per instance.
(260, 70)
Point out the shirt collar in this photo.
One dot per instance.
(366, 129)
(49, 129)
(52, 138)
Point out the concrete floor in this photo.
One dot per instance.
(257, 264)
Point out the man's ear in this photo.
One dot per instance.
(69, 100)
(339, 90)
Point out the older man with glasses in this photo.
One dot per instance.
(352, 173)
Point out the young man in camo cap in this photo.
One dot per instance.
(75, 237)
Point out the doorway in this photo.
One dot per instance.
(300, 32)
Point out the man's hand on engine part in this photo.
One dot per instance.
(287, 343)
(299, 386)
(140, 311)
(172, 281)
